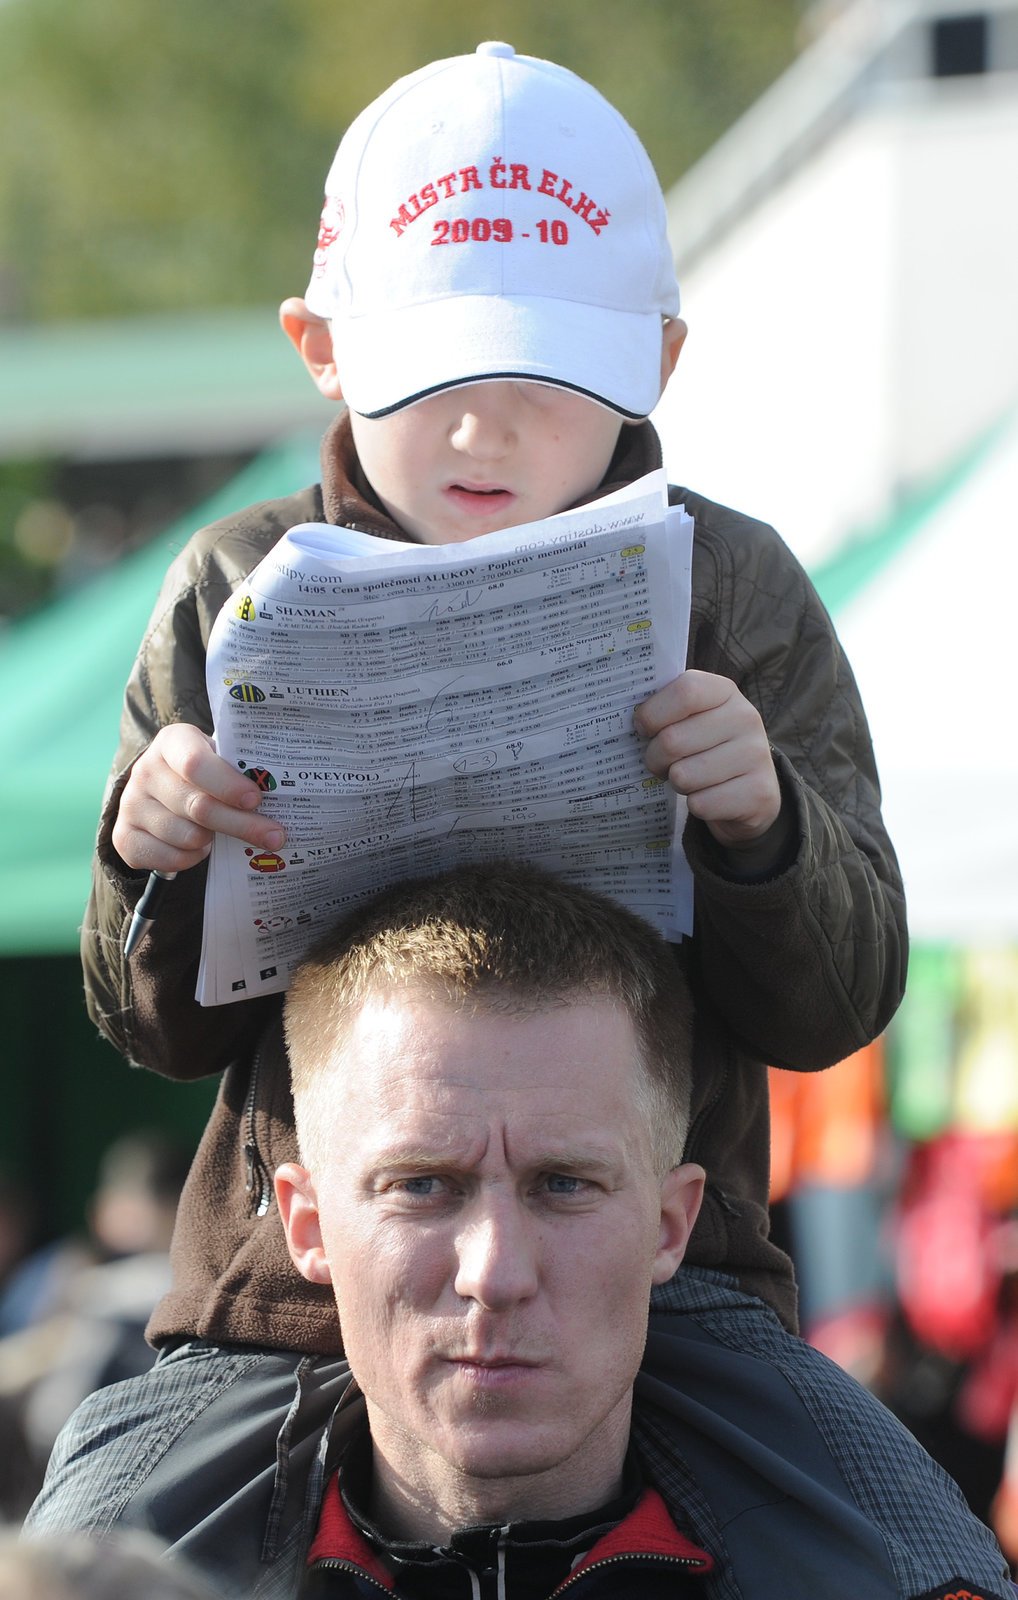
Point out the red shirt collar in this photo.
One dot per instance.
(647, 1530)
(338, 1540)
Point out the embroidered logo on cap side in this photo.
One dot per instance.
(329, 229)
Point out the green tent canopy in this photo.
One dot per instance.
(62, 676)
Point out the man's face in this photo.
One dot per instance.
(484, 457)
(492, 1222)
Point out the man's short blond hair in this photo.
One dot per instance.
(504, 939)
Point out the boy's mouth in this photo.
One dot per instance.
(483, 498)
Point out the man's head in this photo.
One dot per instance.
(506, 940)
(490, 221)
(491, 1084)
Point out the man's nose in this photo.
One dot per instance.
(483, 430)
(496, 1257)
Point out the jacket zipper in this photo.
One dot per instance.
(334, 1564)
(256, 1183)
(631, 1555)
(711, 1104)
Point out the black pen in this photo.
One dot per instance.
(146, 909)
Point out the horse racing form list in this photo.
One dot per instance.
(405, 708)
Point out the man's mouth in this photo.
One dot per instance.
(493, 1373)
(491, 1362)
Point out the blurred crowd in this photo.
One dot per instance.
(895, 1190)
(78, 1568)
(73, 1310)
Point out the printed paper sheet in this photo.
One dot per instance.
(405, 708)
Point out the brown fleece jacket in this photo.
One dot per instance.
(798, 969)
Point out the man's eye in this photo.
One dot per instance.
(423, 1187)
(564, 1183)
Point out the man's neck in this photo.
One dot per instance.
(369, 1513)
(432, 1505)
(526, 1558)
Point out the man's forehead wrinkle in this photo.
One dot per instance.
(423, 1130)
(498, 1106)
(541, 1090)
(467, 1143)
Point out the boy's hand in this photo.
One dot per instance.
(179, 794)
(711, 744)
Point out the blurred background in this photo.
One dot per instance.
(842, 181)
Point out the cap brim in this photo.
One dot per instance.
(391, 359)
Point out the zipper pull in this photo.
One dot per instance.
(256, 1183)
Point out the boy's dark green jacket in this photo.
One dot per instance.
(797, 970)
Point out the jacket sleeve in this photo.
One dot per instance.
(146, 1007)
(807, 966)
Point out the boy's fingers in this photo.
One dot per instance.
(691, 765)
(189, 754)
(692, 736)
(685, 696)
(700, 770)
(154, 838)
(182, 773)
(147, 854)
(719, 758)
(180, 793)
(738, 814)
(207, 815)
(730, 734)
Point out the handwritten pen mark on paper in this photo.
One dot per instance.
(476, 761)
(409, 778)
(434, 714)
(445, 608)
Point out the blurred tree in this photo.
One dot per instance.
(166, 156)
(25, 575)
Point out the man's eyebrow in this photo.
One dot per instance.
(407, 1158)
(404, 1158)
(588, 1162)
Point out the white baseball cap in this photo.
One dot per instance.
(493, 216)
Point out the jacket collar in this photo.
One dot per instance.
(648, 1530)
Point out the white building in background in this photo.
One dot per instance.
(848, 256)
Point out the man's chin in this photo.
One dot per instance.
(489, 1450)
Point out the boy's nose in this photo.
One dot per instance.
(483, 431)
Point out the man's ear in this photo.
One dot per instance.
(673, 337)
(681, 1196)
(311, 337)
(298, 1207)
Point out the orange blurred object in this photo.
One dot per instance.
(825, 1126)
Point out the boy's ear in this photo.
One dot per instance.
(312, 340)
(673, 337)
(298, 1208)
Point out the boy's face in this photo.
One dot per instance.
(486, 456)
(478, 458)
